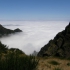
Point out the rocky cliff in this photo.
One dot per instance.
(59, 46)
(5, 31)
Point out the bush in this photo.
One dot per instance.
(54, 62)
(16, 50)
(12, 61)
(68, 64)
(57, 69)
(3, 48)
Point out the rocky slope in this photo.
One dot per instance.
(5, 31)
(59, 46)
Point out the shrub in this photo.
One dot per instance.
(57, 69)
(16, 50)
(3, 48)
(13, 61)
(68, 64)
(54, 62)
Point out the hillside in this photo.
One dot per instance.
(53, 63)
(5, 31)
(16, 59)
(59, 46)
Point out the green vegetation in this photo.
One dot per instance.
(68, 64)
(16, 50)
(15, 59)
(57, 69)
(54, 62)
(3, 48)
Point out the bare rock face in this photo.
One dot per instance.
(5, 31)
(59, 46)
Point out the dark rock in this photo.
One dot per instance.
(5, 31)
(59, 46)
(59, 42)
(17, 30)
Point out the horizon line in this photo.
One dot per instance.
(34, 20)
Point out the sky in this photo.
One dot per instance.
(35, 10)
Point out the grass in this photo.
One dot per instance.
(48, 64)
(57, 69)
(68, 64)
(12, 61)
(54, 62)
(15, 59)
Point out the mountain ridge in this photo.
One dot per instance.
(5, 31)
(59, 46)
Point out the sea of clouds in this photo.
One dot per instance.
(34, 36)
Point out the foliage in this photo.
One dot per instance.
(15, 59)
(68, 64)
(57, 69)
(12, 61)
(54, 62)
(3, 48)
(16, 50)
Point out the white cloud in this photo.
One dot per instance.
(35, 34)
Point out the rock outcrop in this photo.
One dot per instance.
(59, 46)
(17, 30)
(5, 31)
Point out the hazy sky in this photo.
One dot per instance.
(34, 9)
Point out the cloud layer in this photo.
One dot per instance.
(35, 34)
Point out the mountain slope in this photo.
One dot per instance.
(5, 31)
(59, 46)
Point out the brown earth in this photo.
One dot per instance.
(45, 65)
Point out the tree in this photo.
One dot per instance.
(3, 48)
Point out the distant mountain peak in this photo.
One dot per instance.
(5, 31)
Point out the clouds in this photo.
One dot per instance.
(35, 34)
